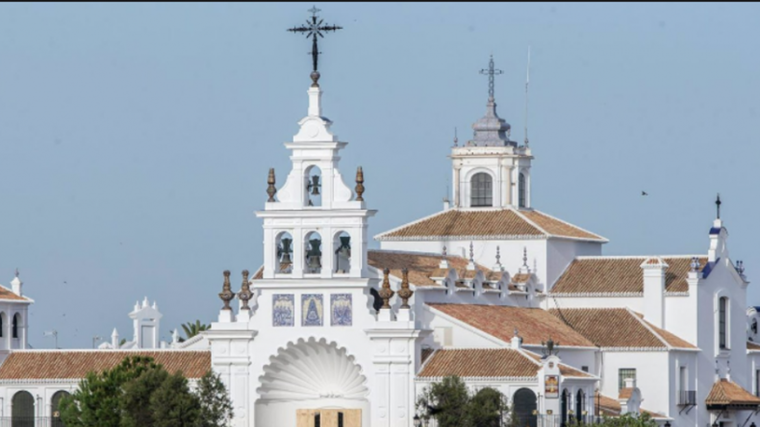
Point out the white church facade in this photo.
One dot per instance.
(330, 333)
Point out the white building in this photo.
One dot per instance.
(489, 289)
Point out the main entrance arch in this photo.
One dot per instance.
(314, 377)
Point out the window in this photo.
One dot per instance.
(14, 326)
(757, 382)
(682, 378)
(580, 404)
(521, 190)
(584, 368)
(481, 187)
(623, 374)
(722, 309)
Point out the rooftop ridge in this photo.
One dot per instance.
(649, 328)
(568, 224)
(641, 257)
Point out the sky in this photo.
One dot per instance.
(135, 139)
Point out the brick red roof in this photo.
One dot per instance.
(39, 365)
(752, 346)
(620, 275)
(534, 325)
(618, 327)
(726, 393)
(487, 363)
(501, 223)
(8, 294)
(611, 407)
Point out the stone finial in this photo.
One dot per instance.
(245, 293)
(694, 266)
(386, 293)
(271, 189)
(226, 295)
(359, 184)
(405, 293)
(525, 257)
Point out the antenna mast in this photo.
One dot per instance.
(527, 81)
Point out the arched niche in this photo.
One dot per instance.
(284, 252)
(342, 251)
(313, 186)
(313, 253)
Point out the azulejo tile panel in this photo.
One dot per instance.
(312, 310)
(341, 305)
(283, 310)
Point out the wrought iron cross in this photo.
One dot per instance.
(314, 28)
(490, 72)
(717, 204)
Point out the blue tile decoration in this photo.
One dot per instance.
(283, 310)
(312, 310)
(341, 309)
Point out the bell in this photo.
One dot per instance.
(314, 255)
(314, 264)
(314, 185)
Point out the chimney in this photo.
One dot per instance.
(630, 383)
(16, 285)
(115, 339)
(446, 204)
(654, 290)
(516, 341)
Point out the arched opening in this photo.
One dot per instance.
(55, 413)
(2, 324)
(312, 376)
(318, 419)
(522, 190)
(15, 325)
(723, 322)
(313, 251)
(22, 410)
(313, 184)
(481, 190)
(284, 242)
(525, 403)
(563, 408)
(580, 405)
(342, 245)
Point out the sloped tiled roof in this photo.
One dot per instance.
(421, 266)
(37, 365)
(727, 393)
(8, 294)
(752, 346)
(488, 363)
(618, 328)
(611, 407)
(534, 325)
(620, 275)
(489, 223)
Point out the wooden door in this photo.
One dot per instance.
(329, 418)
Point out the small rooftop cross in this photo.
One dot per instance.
(717, 204)
(314, 28)
(490, 72)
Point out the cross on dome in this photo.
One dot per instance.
(491, 130)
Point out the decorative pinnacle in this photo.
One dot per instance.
(359, 184)
(694, 264)
(386, 293)
(271, 189)
(405, 293)
(226, 295)
(498, 256)
(525, 257)
(717, 204)
(490, 72)
(444, 253)
(17, 272)
(245, 293)
(471, 253)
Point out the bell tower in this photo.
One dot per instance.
(315, 225)
(490, 170)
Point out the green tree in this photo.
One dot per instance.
(216, 407)
(487, 408)
(97, 401)
(173, 405)
(629, 420)
(193, 329)
(446, 401)
(135, 401)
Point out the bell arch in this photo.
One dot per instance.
(313, 186)
(342, 252)
(284, 248)
(313, 249)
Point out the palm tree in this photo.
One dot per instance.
(193, 329)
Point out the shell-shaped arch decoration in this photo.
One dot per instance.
(310, 370)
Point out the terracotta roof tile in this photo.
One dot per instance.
(617, 327)
(625, 393)
(479, 363)
(259, 274)
(35, 364)
(520, 278)
(752, 346)
(564, 370)
(487, 223)
(556, 227)
(620, 275)
(611, 407)
(421, 266)
(725, 392)
(8, 294)
(534, 325)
